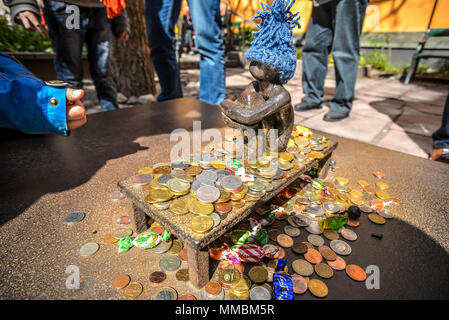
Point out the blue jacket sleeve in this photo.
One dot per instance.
(28, 103)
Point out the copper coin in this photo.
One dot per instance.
(313, 256)
(157, 229)
(299, 284)
(182, 275)
(121, 281)
(273, 234)
(331, 234)
(223, 207)
(353, 223)
(308, 244)
(280, 254)
(186, 297)
(132, 290)
(299, 248)
(284, 240)
(338, 264)
(318, 288)
(157, 277)
(183, 254)
(215, 253)
(355, 272)
(275, 224)
(328, 254)
(213, 288)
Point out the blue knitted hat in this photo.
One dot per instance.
(273, 43)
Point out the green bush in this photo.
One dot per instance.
(17, 39)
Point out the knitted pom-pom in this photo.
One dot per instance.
(273, 42)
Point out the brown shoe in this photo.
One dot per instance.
(441, 155)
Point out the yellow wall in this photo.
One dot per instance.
(381, 15)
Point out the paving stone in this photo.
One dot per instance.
(417, 122)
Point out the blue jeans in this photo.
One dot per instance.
(441, 136)
(161, 17)
(334, 27)
(95, 31)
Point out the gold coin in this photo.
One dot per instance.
(323, 270)
(237, 203)
(301, 141)
(285, 166)
(382, 185)
(224, 195)
(342, 181)
(202, 208)
(179, 206)
(133, 290)
(363, 183)
(356, 193)
(356, 201)
(145, 171)
(228, 277)
(369, 190)
(201, 224)
(182, 275)
(160, 195)
(258, 274)
(285, 156)
(241, 287)
(193, 170)
(377, 219)
(315, 155)
(109, 238)
(154, 184)
(176, 246)
(178, 186)
(218, 164)
(383, 195)
(318, 288)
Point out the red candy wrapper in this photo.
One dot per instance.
(245, 253)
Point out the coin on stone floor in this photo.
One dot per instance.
(141, 179)
(215, 218)
(313, 256)
(165, 293)
(369, 190)
(348, 234)
(284, 240)
(273, 234)
(157, 277)
(186, 297)
(299, 284)
(301, 220)
(299, 248)
(201, 224)
(213, 288)
(315, 210)
(121, 233)
(323, 270)
(228, 277)
(176, 246)
(363, 183)
(382, 185)
(183, 254)
(182, 275)
(145, 170)
(160, 195)
(340, 247)
(162, 247)
(365, 208)
(230, 183)
(121, 281)
(292, 231)
(327, 253)
(302, 267)
(337, 264)
(386, 213)
(74, 217)
(169, 263)
(331, 234)
(355, 272)
(377, 219)
(109, 238)
(223, 207)
(341, 181)
(331, 207)
(259, 293)
(193, 170)
(206, 296)
(315, 240)
(116, 195)
(308, 245)
(258, 274)
(89, 249)
(314, 228)
(318, 288)
(383, 195)
(123, 220)
(132, 290)
(356, 193)
(179, 206)
(208, 194)
(178, 186)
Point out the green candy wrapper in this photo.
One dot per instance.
(261, 237)
(239, 236)
(147, 240)
(124, 244)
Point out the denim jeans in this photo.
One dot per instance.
(161, 17)
(334, 27)
(441, 136)
(94, 30)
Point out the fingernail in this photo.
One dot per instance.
(77, 93)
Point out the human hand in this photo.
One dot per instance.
(123, 36)
(31, 21)
(76, 114)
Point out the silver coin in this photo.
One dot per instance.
(315, 210)
(121, 233)
(318, 147)
(387, 214)
(216, 218)
(162, 247)
(205, 296)
(291, 221)
(180, 164)
(331, 207)
(340, 247)
(141, 179)
(300, 157)
(201, 182)
(256, 186)
(301, 220)
(348, 234)
(208, 194)
(292, 231)
(166, 295)
(74, 217)
(116, 195)
(259, 293)
(89, 249)
(303, 200)
(169, 263)
(341, 229)
(316, 240)
(164, 179)
(365, 208)
(231, 182)
(342, 188)
(314, 228)
(306, 150)
(208, 175)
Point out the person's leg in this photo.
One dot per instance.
(315, 54)
(441, 137)
(348, 22)
(99, 46)
(207, 26)
(67, 43)
(161, 17)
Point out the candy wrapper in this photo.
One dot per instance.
(268, 217)
(233, 165)
(303, 131)
(124, 244)
(283, 287)
(147, 240)
(258, 235)
(241, 173)
(245, 253)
